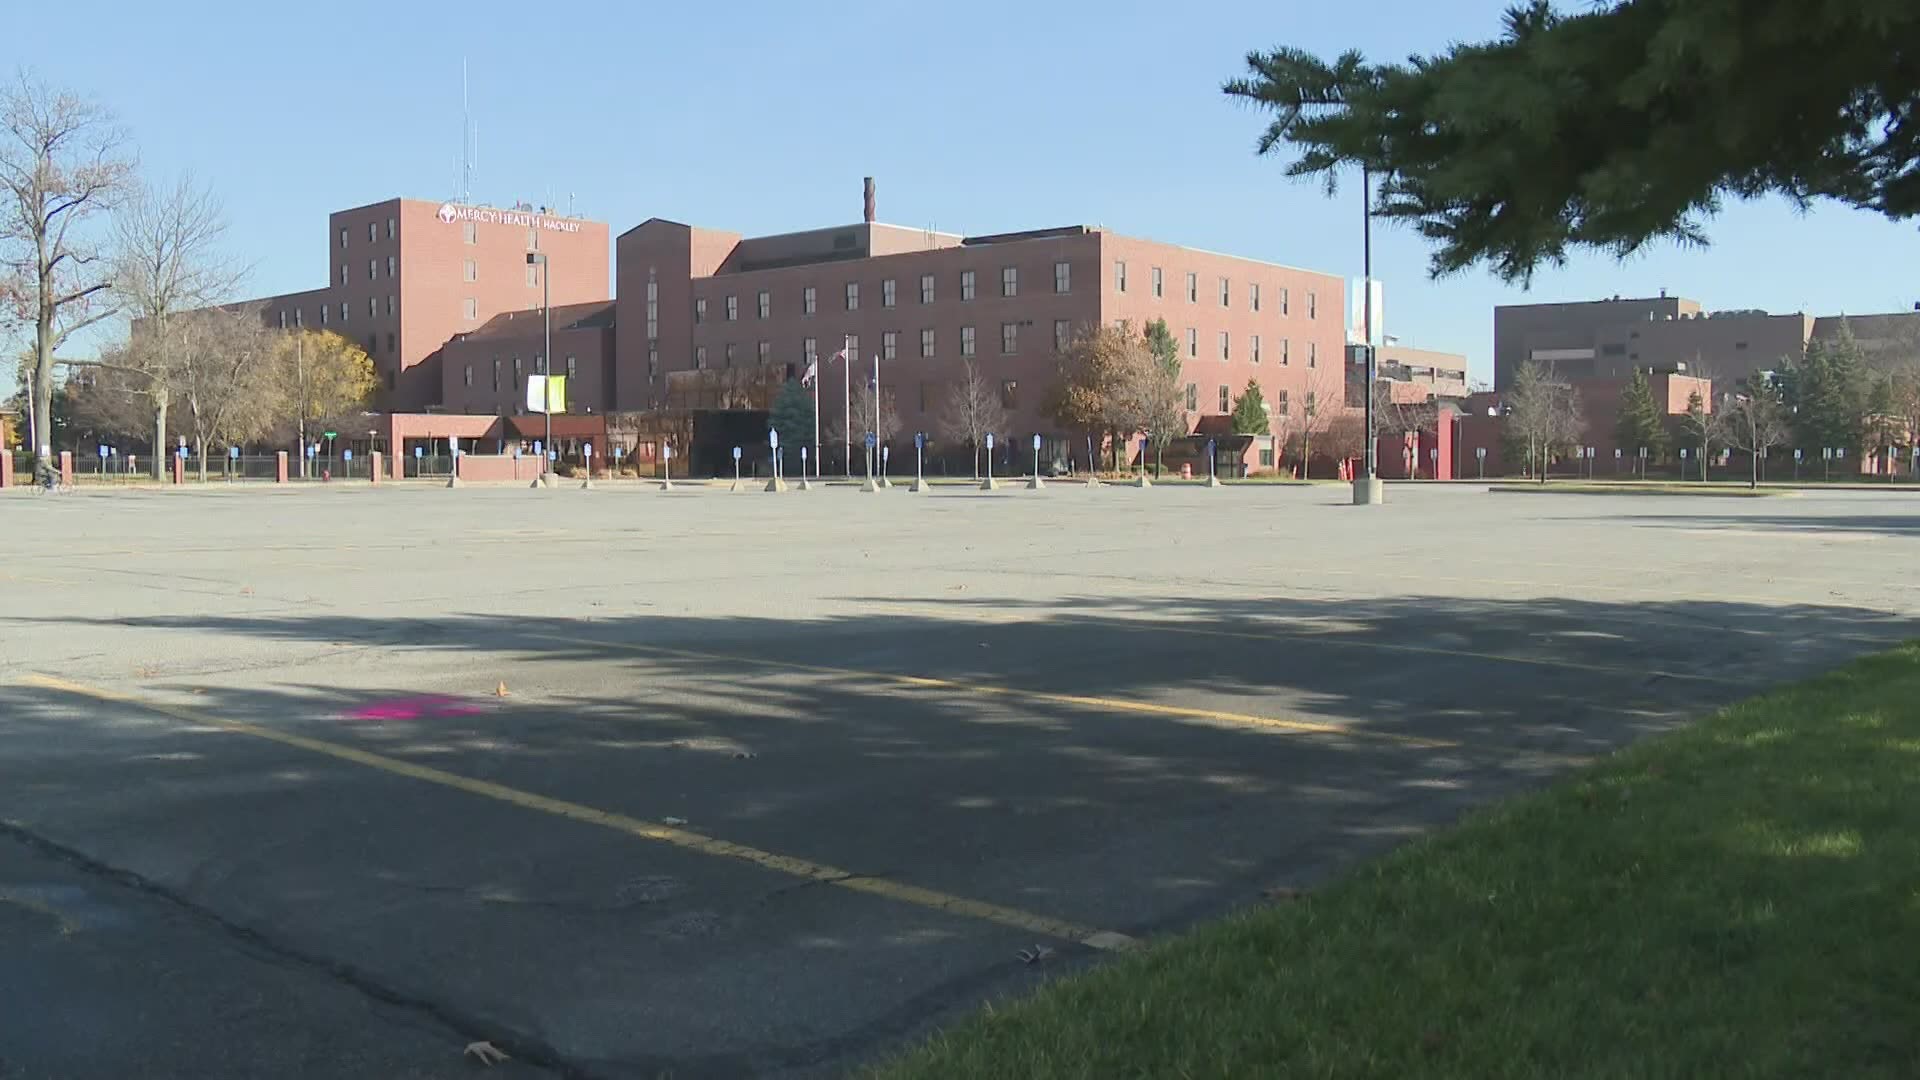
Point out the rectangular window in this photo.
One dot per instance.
(573, 367)
(1062, 277)
(926, 344)
(966, 285)
(472, 309)
(733, 308)
(1313, 306)
(766, 352)
(533, 240)
(469, 271)
(343, 311)
(389, 228)
(1193, 343)
(729, 354)
(373, 232)
(653, 363)
(496, 374)
(517, 369)
(1119, 277)
(700, 358)
(809, 302)
(1283, 300)
(469, 375)
(853, 347)
(1253, 348)
(1226, 346)
(1285, 352)
(389, 303)
(283, 320)
(1313, 354)
(966, 341)
(343, 236)
(653, 308)
(888, 291)
(1061, 329)
(766, 304)
(853, 296)
(323, 314)
(1159, 285)
(1282, 405)
(470, 232)
(299, 318)
(343, 273)
(533, 276)
(889, 345)
(1009, 281)
(373, 307)
(1009, 394)
(1009, 338)
(1226, 404)
(700, 309)
(1226, 293)
(1313, 407)
(810, 349)
(1253, 295)
(391, 263)
(1193, 397)
(373, 269)
(926, 288)
(1193, 287)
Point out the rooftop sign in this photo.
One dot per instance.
(487, 215)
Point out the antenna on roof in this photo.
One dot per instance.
(466, 138)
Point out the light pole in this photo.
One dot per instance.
(1367, 490)
(539, 259)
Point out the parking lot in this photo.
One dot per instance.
(335, 781)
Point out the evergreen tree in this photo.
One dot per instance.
(1828, 395)
(1641, 423)
(1634, 119)
(1250, 411)
(1165, 350)
(792, 417)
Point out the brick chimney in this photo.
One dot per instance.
(869, 201)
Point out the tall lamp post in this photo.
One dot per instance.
(1367, 489)
(539, 259)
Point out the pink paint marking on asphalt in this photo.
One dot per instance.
(428, 707)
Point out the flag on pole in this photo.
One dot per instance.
(812, 373)
(839, 357)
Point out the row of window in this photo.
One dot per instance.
(889, 293)
(1226, 290)
(470, 271)
(470, 233)
(299, 316)
(1253, 348)
(573, 371)
(373, 232)
(373, 269)
(1282, 405)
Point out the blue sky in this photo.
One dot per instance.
(763, 116)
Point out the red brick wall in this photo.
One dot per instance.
(1314, 348)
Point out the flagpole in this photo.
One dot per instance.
(876, 407)
(816, 427)
(846, 396)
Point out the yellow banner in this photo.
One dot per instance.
(556, 393)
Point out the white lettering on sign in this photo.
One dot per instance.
(487, 215)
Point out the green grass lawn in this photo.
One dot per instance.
(1739, 898)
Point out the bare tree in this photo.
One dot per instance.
(1544, 412)
(971, 411)
(1704, 428)
(62, 163)
(1318, 407)
(1756, 421)
(224, 375)
(167, 261)
(1155, 403)
(861, 406)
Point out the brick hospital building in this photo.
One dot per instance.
(445, 301)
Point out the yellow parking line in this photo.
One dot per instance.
(1102, 704)
(645, 830)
